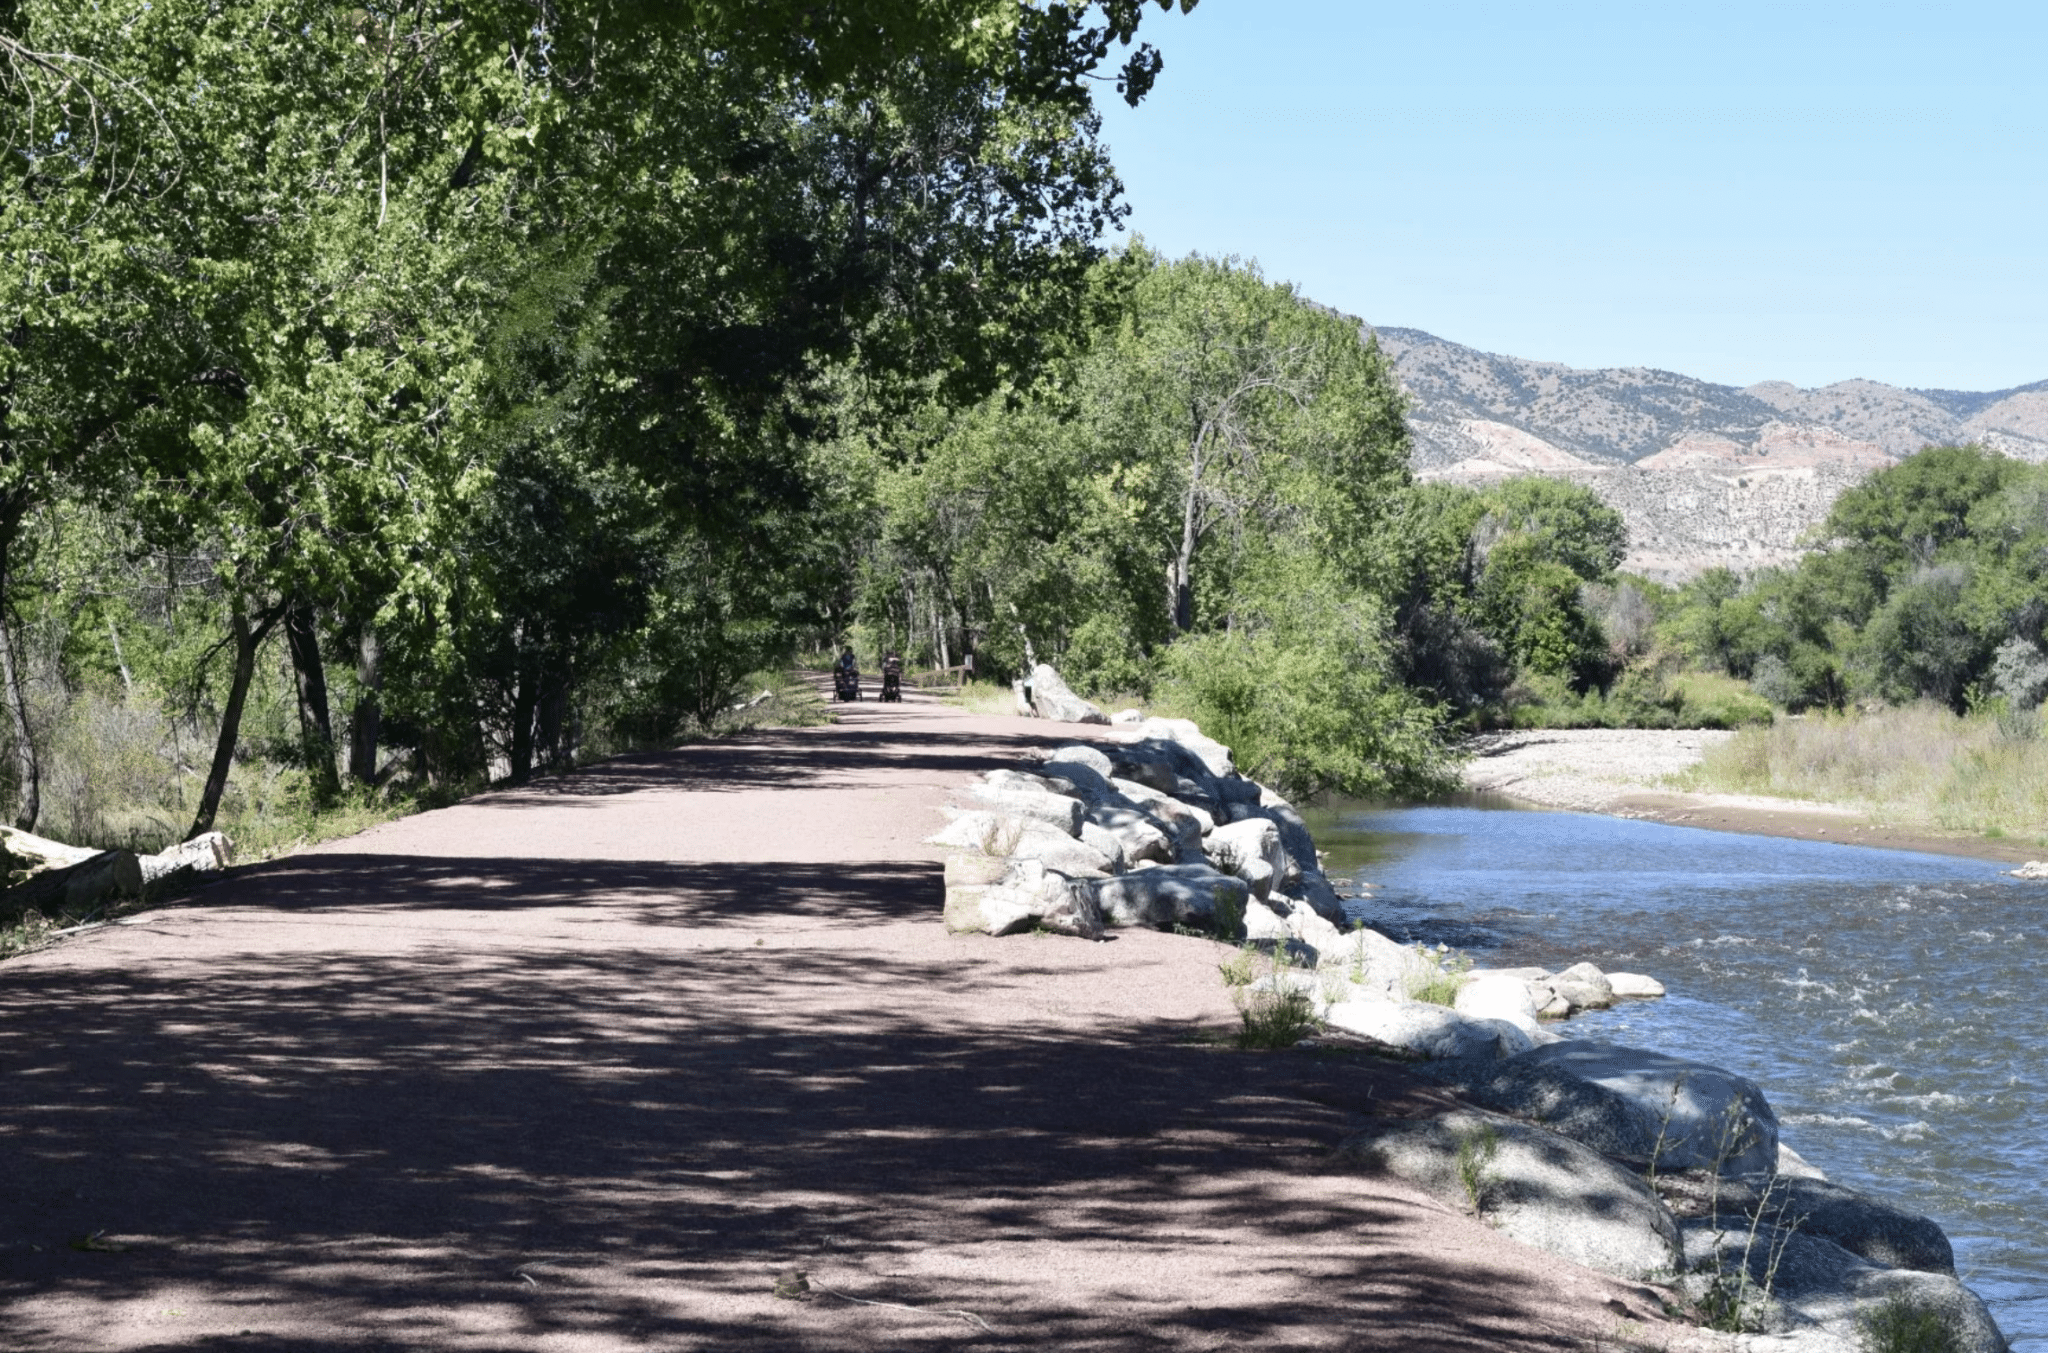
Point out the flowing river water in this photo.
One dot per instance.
(1891, 1004)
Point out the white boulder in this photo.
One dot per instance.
(1052, 699)
(1700, 1117)
(1140, 835)
(1107, 844)
(1215, 756)
(1080, 754)
(1168, 895)
(1634, 984)
(1498, 996)
(1250, 850)
(1041, 804)
(1537, 1188)
(1429, 1030)
(1380, 968)
(1056, 850)
(1180, 821)
(993, 896)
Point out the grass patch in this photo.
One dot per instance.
(1477, 1150)
(983, 697)
(1277, 1015)
(1276, 1019)
(1899, 1324)
(1919, 766)
(1443, 981)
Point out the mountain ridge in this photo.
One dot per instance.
(1705, 474)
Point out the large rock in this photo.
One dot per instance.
(1590, 1114)
(1581, 987)
(1170, 768)
(1167, 895)
(1106, 843)
(1692, 1115)
(1308, 925)
(1634, 984)
(984, 831)
(1002, 897)
(1814, 1283)
(1177, 819)
(1215, 757)
(1869, 1228)
(1141, 835)
(1056, 850)
(1428, 1030)
(1380, 968)
(1040, 804)
(1498, 996)
(1052, 699)
(1080, 754)
(1307, 937)
(1302, 874)
(1250, 850)
(1536, 1187)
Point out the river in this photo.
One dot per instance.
(1890, 1003)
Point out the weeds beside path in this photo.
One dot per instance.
(601, 1060)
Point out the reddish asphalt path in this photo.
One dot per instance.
(586, 1065)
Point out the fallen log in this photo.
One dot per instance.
(207, 853)
(77, 887)
(38, 853)
(79, 878)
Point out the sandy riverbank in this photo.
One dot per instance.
(1626, 772)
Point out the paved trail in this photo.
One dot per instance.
(585, 1066)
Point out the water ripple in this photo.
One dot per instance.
(1888, 1002)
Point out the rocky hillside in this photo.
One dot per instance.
(1705, 474)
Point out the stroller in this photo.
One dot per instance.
(845, 683)
(892, 679)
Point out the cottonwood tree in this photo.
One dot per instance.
(269, 274)
(1231, 389)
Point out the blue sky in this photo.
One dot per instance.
(1739, 192)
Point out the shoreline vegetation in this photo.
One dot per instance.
(1919, 768)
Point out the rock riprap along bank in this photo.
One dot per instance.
(1651, 1167)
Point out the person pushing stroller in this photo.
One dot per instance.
(846, 676)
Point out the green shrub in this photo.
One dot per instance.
(1447, 976)
(1709, 700)
(1275, 1019)
(1899, 1324)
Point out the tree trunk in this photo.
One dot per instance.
(316, 729)
(16, 696)
(366, 724)
(525, 696)
(551, 720)
(120, 658)
(247, 640)
(1180, 577)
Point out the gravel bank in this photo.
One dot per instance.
(1626, 772)
(1584, 768)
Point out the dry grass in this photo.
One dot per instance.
(1920, 766)
(995, 697)
(984, 697)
